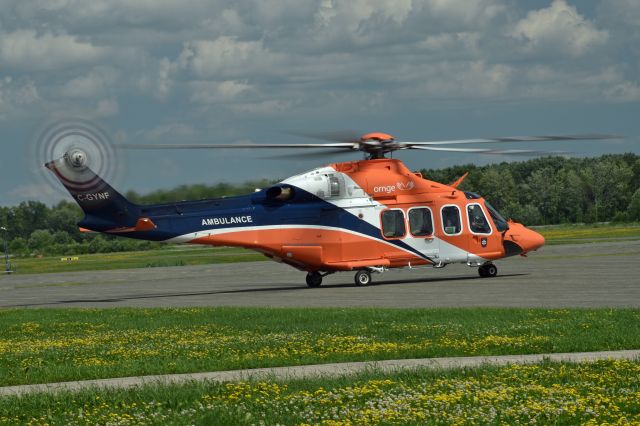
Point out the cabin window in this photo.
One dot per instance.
(420, 223)
(451, 223)
(477, 220)
(393, 223)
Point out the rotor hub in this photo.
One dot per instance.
(376, 136)
(377, 144)
(77, 159)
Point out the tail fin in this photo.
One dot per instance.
(105, 208)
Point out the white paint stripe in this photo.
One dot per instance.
(321, 370)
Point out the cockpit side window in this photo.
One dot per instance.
(477, 220)
(498, 220)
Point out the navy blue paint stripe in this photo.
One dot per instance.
(184, 218)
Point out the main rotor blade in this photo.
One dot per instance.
(346, 145)
(345, 136)
(312, 154)
(493, 151)
(546, 138)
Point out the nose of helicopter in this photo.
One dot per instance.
(521, 240)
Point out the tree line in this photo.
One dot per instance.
(554, 190)
(541, 191)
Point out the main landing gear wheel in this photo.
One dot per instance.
(363, 277)
(488, 270)
(314, 279)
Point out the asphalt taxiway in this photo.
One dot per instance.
(583, 275)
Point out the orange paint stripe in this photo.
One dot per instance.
(315, 249)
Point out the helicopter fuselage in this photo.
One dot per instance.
(372, 214)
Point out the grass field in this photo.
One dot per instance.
(582, 233)
(198, 255)
(169, 256)
(605, 392)
(48, 345)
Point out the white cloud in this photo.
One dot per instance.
(164, 82)
(224, 57)
(210, 92)
(16, 97)
(27, 50)
(97, 82)
(474, 79)
(625, 91)
(37, 191)
(107, 108)
(156, 78)
(559, 28)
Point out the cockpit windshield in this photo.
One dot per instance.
(500, 222)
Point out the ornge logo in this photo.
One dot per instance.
(391, 188)
(405, 186)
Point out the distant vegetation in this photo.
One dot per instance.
(542, 191)
(555, 190)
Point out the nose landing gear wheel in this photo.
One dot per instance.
(314, 279)
(488, 270)
(363, 277)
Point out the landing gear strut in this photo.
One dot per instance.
(363, 277)
(488, 270)
(314, 279)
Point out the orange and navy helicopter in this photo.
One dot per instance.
(365, 216)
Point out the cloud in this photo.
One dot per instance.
(27, 50)
(16, 97)
(559, 28)
(225, 57)
(107, 108)
(97, 82)
(625, 91)
(37, 191)
(210, 92)
(475, 79)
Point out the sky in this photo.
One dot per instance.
(256, 71)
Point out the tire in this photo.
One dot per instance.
(488, 270)
(491, 270)
(362, 278)
(314, 279)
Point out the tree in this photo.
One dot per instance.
(608, 183)
(546, 193)
(633, 211)
(40, 240)
(497, 185)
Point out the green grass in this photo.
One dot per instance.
(48, 345)
(170, 256)
(545, 393)
(589, 233)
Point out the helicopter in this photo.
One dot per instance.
(365, 216)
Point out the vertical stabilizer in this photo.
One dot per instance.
(104, 207)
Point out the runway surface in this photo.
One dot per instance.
(583, 275)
